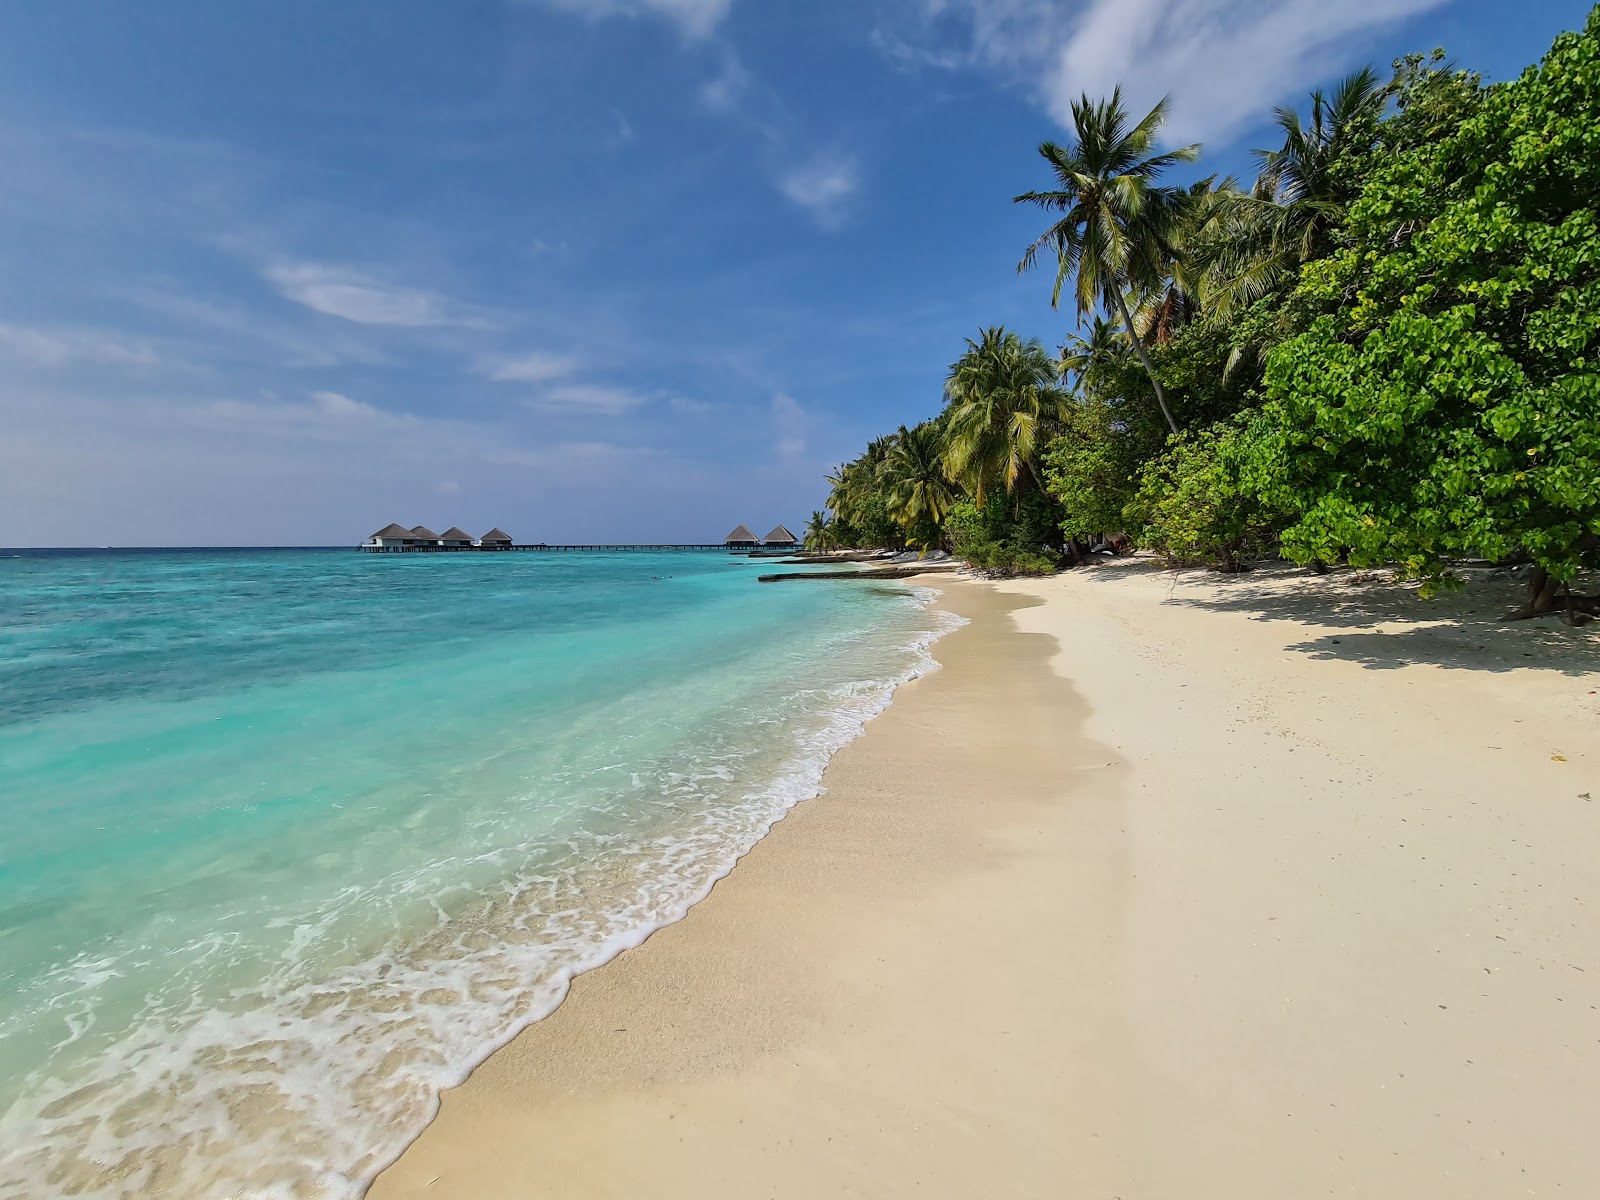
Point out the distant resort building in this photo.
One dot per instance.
(420, 537)
(391, 537)
(742, 538)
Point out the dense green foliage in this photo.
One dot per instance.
(1380, 351)
(1445, 399)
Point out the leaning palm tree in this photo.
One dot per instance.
(1001, 407)
(918, 490)
(1115, 234)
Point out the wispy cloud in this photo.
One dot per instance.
(590, 398)
(1224, 62)
(724, 92)
(822, 187)
(696, 18)
(689, 406)
(540, 366)
(208, 329)
(64, 347)
(340, 292)
(790, 421)
(323, 414)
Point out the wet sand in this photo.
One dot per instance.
(1166, 885)
(906, 988)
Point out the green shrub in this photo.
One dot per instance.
(1445, 399)
(1192, 508)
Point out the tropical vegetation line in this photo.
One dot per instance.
(1382, 350)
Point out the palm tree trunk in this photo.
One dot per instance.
(1144, 357)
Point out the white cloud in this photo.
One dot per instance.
(790, 421)
(61, 347)
(590, 398)
(696, 18)
(1224, 62)
(822, 186)
(354, 297)
(208, 329)
(690, 406)
(724, 93)
(97, 470)
(324, 414)
(537, 367)
(339, 407)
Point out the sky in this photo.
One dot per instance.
(589, 270)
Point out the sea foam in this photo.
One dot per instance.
(293, 1047)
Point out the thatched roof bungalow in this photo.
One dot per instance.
(424, 536)
(742, 538)
(391, 537)
(495, 539)
(456, 538)
(780, 539)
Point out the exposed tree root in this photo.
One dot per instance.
(1545, 598)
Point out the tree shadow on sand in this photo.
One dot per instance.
(1365, 617)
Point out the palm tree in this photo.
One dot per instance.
(919, 491)
(819, 532)
(1255, 243)
(854, 483)
(1163, 306)
(1084, 359)
(1117, 228)
(1001, 406)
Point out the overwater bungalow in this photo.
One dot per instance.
(495, 539)
(780, 539)
(423, 536)
(391, 537)
(742, 538)
(456, 538)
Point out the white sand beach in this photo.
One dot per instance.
(1168, 884)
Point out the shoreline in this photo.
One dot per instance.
(724, 1027)
(1286, 890)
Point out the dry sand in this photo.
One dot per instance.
(1166, 886)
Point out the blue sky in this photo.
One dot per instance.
(586, 269)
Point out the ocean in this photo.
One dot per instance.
(292, 839)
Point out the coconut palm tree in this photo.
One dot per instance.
(919, 492)
(1254, 243)
(853, 484)
(819, 532)
(1117, 225)
(1175, 296)
(1001, 407)
(1083, 359)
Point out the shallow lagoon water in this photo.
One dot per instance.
(289, 840)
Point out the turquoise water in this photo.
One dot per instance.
(289, 840)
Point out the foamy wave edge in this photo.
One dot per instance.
(486, 1018)
(801, 779)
